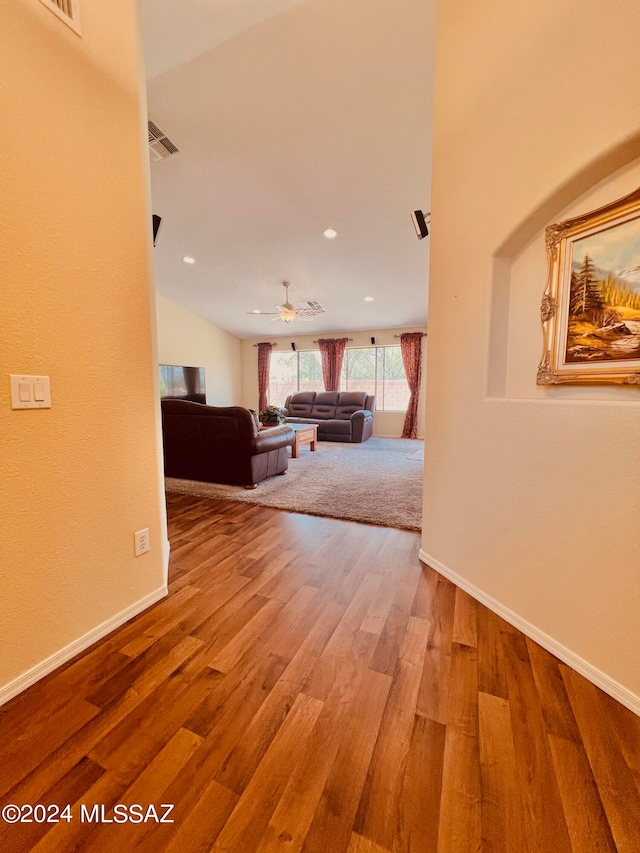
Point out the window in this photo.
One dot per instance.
(283, 377)
(395, 389)
(310, 371)
(359, 370)
(377, 370)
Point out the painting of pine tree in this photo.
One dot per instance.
(604, 296)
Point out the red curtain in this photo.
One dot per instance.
(264, 357)
(332, 353)
(411, 348)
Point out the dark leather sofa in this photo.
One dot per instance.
(221, 445)
(340, 415)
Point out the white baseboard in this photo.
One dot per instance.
(419, 438)
(622, 694)
(166, 554)
(63, 655)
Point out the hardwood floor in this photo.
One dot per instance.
(309, 686)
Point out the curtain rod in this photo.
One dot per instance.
(274, 344)
(332, 339)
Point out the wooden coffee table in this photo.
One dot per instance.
(305, 434)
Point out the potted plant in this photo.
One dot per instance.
(272, 416)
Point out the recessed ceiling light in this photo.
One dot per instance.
(188, 260)
(368, 299)
(330, 233)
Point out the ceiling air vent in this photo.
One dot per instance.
(68, 11)
(160, 144)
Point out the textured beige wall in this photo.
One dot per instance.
(185, 338)
(77, 480)
(387, 424)
(531, 494)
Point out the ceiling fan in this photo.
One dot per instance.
(288, 312)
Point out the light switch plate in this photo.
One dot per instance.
(21, 384)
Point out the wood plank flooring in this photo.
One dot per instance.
(310, 686)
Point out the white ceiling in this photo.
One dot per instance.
(292, 116)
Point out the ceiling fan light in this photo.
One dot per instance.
(288, 315)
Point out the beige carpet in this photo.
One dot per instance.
(379, 481)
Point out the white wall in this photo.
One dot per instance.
(531, 494)
(185, 338)
(388, 424)
(78, 479)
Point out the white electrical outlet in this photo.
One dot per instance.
(141, 541)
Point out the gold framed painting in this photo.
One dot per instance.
(590, 309)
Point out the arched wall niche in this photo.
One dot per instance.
(520, 274)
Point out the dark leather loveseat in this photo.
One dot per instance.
(221, 445)
(340, 415)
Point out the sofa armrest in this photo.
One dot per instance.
(273, 439)
(361, 425)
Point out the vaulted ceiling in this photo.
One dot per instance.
(292, 116)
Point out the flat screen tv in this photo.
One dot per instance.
(182, 383)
